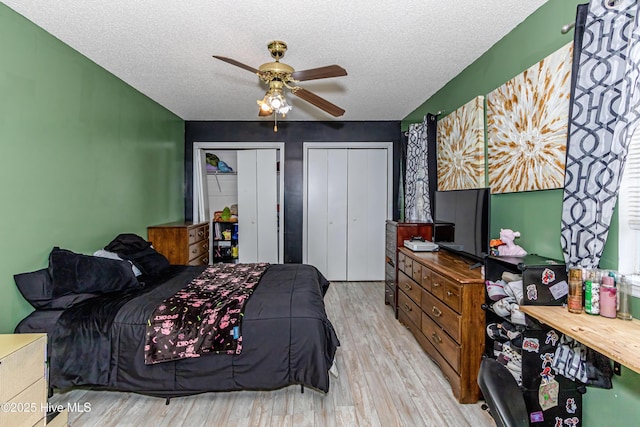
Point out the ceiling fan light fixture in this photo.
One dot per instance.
(264, 106)
(274, 100)
(279, 75)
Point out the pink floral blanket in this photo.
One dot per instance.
(205, 316)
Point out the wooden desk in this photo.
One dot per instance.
(615, 338)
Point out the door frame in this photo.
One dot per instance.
(306, 146)
(198, 149)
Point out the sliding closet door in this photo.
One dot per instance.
(257, 206)
(367, 213)
(326, 212)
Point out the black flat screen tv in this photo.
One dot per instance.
(461, 222)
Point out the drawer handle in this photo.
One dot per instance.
(205, 260)
(436, 338)
(407, 287)
(407, 307)
(436, 284)
(194, 251)
(435, 310)
(200, 233)
(449, 293)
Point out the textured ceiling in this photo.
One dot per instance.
(397, 53)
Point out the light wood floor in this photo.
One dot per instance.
(384, 379)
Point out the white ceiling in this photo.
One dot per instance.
(397, 53)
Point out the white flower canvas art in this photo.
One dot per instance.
(527, 123)
(461, 163)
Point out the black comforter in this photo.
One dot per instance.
(287, 339)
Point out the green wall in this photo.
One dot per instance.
(537, 214)
(83, 156)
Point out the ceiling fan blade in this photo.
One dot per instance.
(319, 102)
(238, 64)
(319, 73)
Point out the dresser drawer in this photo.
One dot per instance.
(390, 254)
(437, 284)
(201, 260)
(390, 294)
(28, 407)
(60, 420)
(443, 315)
(198, 249)
(426, 279)
(416, 272)
(450, 374)
(198, 233)
(390, 243)
(447, 347)
(401, 260)
(410, 308)
(22, 367)
(408, 266)
(453, 295)
(408, 323)
(409, 287)
(389, 272)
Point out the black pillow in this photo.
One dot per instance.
(73, 273)
(149, 261)
(140, 252)
(37, 288)
(127, 243)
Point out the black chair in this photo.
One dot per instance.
(502, 394)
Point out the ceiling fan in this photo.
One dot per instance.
(279, 75)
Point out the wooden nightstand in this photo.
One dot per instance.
(23, 382)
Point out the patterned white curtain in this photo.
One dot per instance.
(605, 113)
(417, 200)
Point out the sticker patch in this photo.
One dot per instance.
(532, 345)
(548, 395)
(547, 359)
(572, 422)
(552, 337)
(547, 375)
(571, 405)
(559, 290)
(537, 417)
(532, 292)
(548, 276)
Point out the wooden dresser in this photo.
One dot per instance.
(183, 243)
(396, 234)
(440, 300)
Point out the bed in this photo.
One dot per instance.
(96, 338)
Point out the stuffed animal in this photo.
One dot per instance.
(509, 248)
